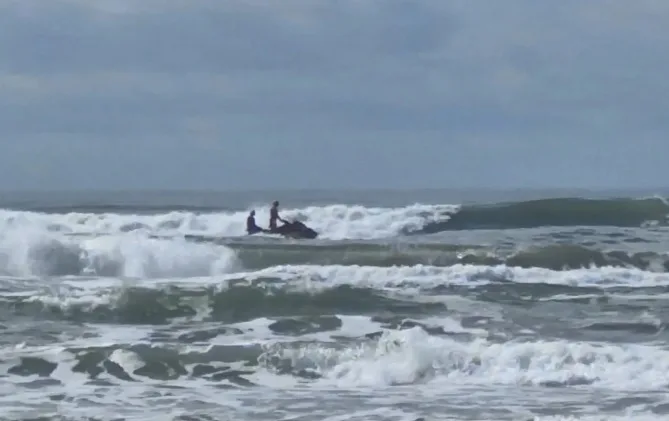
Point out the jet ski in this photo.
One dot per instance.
(296, 229)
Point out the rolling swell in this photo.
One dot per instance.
(560, 257)
(138, 306)
(557, 212)
(65, 262)
(555, 256)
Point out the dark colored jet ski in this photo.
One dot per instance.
(296, 229)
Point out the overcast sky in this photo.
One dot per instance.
(226, 94)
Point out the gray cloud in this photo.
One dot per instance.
(353, 93)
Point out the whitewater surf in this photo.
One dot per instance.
(545, 309)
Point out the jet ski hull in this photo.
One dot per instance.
(296, 229)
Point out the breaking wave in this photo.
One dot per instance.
(307, 292)
(138, 255)
(29, 252)
(558, 212)
(394, 358)
(339, 222)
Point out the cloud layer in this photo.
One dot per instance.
(349, 93)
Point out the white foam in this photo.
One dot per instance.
(390, 414)
(437, 368)
(401, 280)
(607, 417)
(127, 360)
(412, 356)
(332, 222)
(141, 257)
(356, 326)
(257, 331)
(30, 252)
(315, 277)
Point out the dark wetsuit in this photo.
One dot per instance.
(273, 217)
(251, 227)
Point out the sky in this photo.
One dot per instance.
(258, 94)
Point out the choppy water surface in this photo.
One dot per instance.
(544, 309)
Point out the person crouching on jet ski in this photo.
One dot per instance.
(274, 216)
(251, 227)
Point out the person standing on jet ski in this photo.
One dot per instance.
(251, 227)
(274, 215)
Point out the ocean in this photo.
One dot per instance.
(411, 305)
